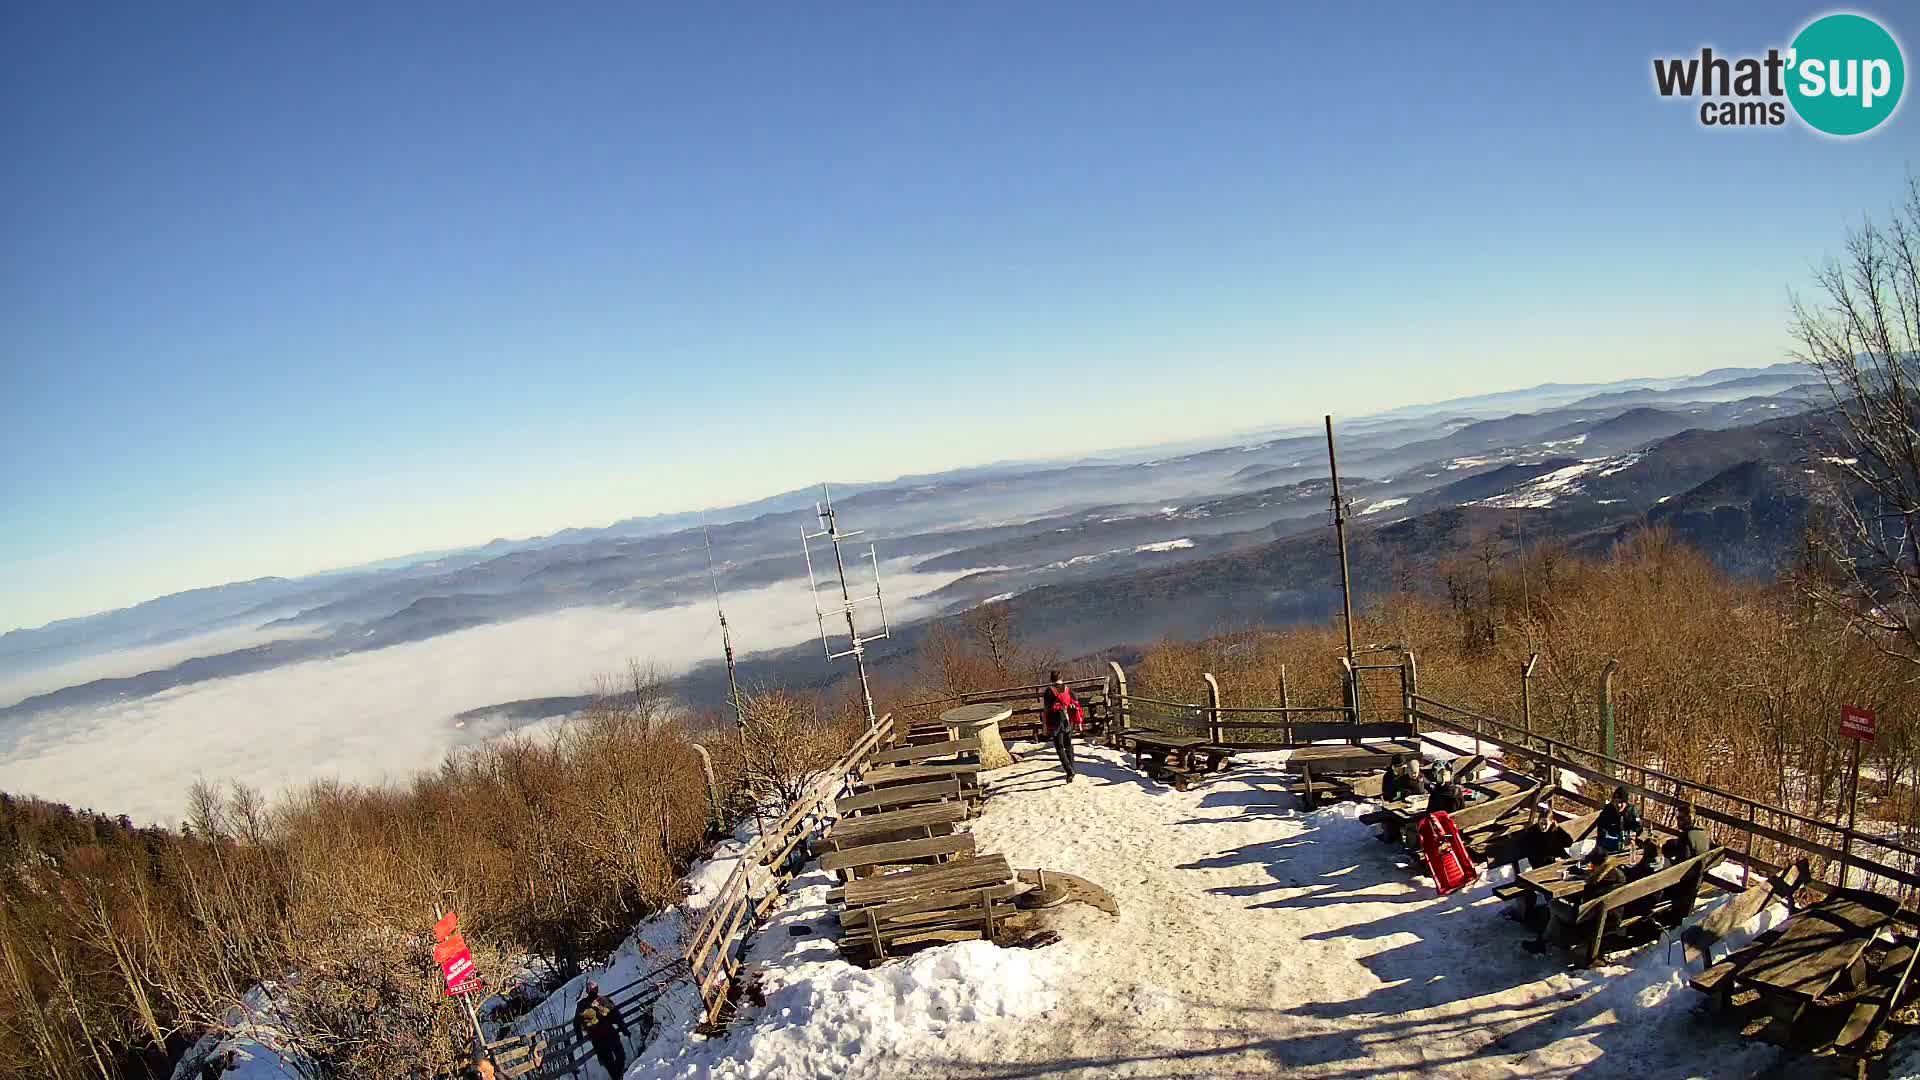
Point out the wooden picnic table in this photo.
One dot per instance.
(1563, 880)
(1815, 948)
(1158, 752)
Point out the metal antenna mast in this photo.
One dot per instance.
(856, 645)
(726, 634)
(1340, 534)
(733, 678)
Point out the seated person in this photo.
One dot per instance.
(1618, 826)
(1446, 796)
(1402, 782)
(1543, 842)
(1603, 876)
(1693, 840)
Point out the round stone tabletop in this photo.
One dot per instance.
(991, 712)
(982, 722)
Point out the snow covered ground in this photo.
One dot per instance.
(1253, 940)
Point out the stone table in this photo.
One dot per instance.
(981, 722)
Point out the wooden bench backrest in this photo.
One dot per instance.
(1486, 813)
(1694, 869)
(1577, 829)
(902, 795)
(897, 852)
(923, 751)
(1342, 731)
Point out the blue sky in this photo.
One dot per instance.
(287, 290)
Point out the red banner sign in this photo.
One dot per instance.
(462, 976)
(1857, 723)
(454, 958)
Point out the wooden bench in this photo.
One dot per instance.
(880, 932)
(961, 875)
(1698, 941)
(1677, 889)
(1892, 978)
(914, 754)
(913, 823)
(1342, 731)
(892, 775)
(849, 861)
(1717, 980)
(1485, 826)
(904, 795)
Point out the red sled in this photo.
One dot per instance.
(1445, 852)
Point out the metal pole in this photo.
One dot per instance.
(1526, 693)
(1340, 537)
(1284, 702)
(846, 597)
(733, 696)
(1606, 711)
(1853, 803)
(1213, 706)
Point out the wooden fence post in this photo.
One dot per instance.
(1350, 689)
(1285, 701)
(1213, 706)
(1122, 713)
(1410, 688)
(713, 789)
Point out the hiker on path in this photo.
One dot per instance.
(601, 1023)
(1063, 719)
(1619, 825)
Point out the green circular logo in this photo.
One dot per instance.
(1846, 74)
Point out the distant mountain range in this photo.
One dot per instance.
(1091, 552)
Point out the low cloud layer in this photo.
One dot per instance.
(18, 686)
(382, 715)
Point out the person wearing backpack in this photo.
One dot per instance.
(1063, 718)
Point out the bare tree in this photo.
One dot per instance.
(1862, 334)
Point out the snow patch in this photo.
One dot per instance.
(1383, 504)
(1575, 441)
(1165, 545)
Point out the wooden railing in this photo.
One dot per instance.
(1736, 814)
(561, 1050)
(1095, 693)
(750, 892)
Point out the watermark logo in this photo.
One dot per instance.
(1843, 75)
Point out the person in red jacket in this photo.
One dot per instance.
(1063, 716)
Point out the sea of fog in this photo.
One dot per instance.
(382, 715)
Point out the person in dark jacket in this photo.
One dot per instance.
(1618, 826)
(601, 1023)
(1403, 781)
(1693, 840)
(1543, 842)
(1063, 718)
(1447, 794)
